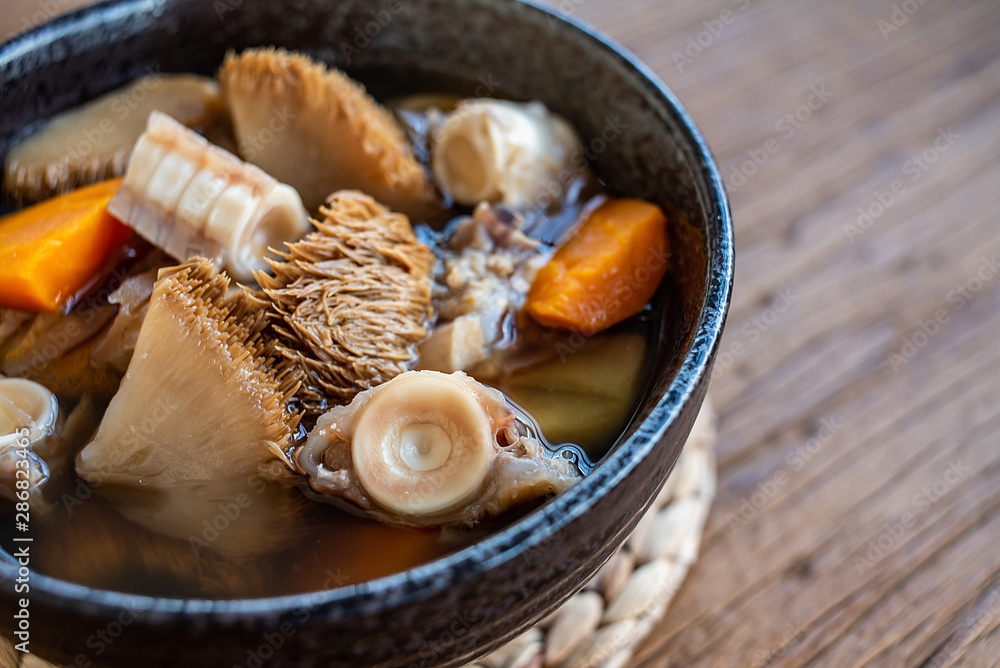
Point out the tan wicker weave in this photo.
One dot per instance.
(602, 625)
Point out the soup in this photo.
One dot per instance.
(377, 335)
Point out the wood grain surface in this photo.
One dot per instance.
(858, 516)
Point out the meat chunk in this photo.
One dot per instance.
(486, 270)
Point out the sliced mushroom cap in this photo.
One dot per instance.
(93, 142)
(202, 408)
(427, 449)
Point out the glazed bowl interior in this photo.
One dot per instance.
(638, 139)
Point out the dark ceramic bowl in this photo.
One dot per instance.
(642, 143)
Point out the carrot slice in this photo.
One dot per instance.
(606, 272)
(50, 251)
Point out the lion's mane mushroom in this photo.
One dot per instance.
(316, 129)
(352, 300)
(427, 449)
(201, 412)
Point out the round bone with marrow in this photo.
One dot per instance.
(427, 449)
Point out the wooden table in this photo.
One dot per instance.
(858, 516)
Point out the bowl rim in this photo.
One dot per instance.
(528, 532)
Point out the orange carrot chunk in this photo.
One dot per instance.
(50, 251)
(606, 272)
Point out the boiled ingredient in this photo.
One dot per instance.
(97, 547)
(12, 320)
(191, 198)
(200, 413)
(581, 391)
(428, 449)
(55, 350)
(318, 130)
(50, 251)
(28, 414)
(501, 151)
(46, 337)
(606, 272)
(25, 466)
(117, 344)
(75, 373)
(59, 450)
(93, 142)
(352, 299)
(486, 268)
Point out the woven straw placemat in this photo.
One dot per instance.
(602, 625)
